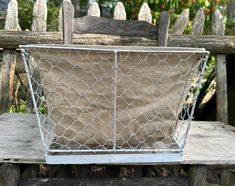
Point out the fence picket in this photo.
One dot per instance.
(181, 23)
(39, 23)
(198, 23)
(119, 11)
(93, 10)
(68, 20)
(145, 13)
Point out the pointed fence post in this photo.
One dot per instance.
(68, 19)
(39, 23)
(145, 13)
(119, 11)
(93, 10)
(7, 67)
(221, 72)
(198, 23)
(218, 28)
(181, 23)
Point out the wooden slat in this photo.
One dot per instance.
(68, 20)
(221, 72)
(95, 25)
(208, 143)
(198, 23)
(181, 23)
(119, 11)
(39, 23)
(160, 181)
(93, 10)
(145, 13)
(163, 26)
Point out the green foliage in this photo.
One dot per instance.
(25, 13)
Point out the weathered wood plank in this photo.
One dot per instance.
(39, 23)
(216, 44)
(208, 143)
(68, 20)
(145, 13)
(93, 9)
(181, 23)
(197, 175)
(171, 181)
(221, 72)
(95, 25)
(119, 11)
(163, 27)
(198, 23)
(20, 139)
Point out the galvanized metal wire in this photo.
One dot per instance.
(113, 99)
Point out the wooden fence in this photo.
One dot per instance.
(12, 37)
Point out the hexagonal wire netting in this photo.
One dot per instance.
(113, 99)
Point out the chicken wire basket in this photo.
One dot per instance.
(113, 104)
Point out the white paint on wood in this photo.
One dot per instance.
(145, 13)
(93, 9)
(39, 23)
(181, 23)
(209, 143)
(12, 22)
(198, 23)
(119, 11)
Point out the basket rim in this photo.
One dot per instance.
(117, 48)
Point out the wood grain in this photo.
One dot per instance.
(208, 143)
(216, 44)
(102, 25)
(68, 20)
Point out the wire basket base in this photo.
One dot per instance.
(121, 159)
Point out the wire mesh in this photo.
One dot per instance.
(113, 98)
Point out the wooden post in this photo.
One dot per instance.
(145, 13)
(221, 84)
(7, 67)
(9, 175)
(60, 27)
(119, 11)
(163, 27)
(93, 10)
(197, 175)
(221, 72)
(68, 19)
(39, 23)
(198, 23)
(181, 23)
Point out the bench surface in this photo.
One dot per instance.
(208, 143)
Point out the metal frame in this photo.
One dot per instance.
(114, 156)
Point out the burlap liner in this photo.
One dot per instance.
(80, 96)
